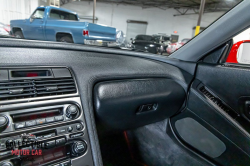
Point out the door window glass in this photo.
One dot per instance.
(56, 14)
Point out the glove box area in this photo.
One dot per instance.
(131, 103)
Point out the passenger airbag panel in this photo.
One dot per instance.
(118, 103)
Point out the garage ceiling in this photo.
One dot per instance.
(182, 6)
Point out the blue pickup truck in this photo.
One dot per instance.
(58, 24)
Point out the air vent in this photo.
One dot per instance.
(219, 103)
(36, 88)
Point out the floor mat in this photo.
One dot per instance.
(151, 145)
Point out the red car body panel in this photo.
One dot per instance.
(7, 28)
(175, 46)
(232, 57)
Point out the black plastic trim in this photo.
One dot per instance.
(117, 102)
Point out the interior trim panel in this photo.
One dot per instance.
(199, 137)
(237, 155)
(131, 103)
(89, 68)
(187, 66)
(215, 112)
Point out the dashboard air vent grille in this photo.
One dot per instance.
(36, 88)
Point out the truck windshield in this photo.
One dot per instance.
(38, 14)
(56, 14)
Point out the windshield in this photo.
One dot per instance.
(185, 40)
(157, 27)
(144, 37)
(38, 14)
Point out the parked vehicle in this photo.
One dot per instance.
(120, 40)
(164, 40)
(146, 43)
(175, 46)
(57, 24)
(4, 29)
(232, 57)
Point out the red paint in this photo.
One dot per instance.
(85, 32)
(130, 149)
(27, 152)
(232, 57)
(32, 75)
(7, 28)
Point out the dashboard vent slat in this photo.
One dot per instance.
(15, 87)
(16, 96)
(4, 92)
(59, 87)
(64, 83)
(10, 90)
(63, 80)
(15, 83)
(58, 91)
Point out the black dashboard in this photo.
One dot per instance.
(42, 120)
(50, 93)
(78, 105)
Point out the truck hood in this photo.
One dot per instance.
(14, 23)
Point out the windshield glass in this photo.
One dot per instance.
(144, 37)
(157, 27)
(38, 14)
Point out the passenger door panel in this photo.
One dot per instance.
(215, 101)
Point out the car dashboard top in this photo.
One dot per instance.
(47, 105)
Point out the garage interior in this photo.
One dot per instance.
(178, 17)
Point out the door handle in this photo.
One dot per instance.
(41, 21)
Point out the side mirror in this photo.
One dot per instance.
(32, 18)
(131, 38)
(243, 53)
